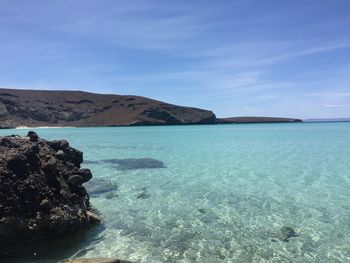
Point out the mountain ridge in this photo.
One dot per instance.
(63, 108)
(34, 108)
(255, 119)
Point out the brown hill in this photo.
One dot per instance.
(34, 108)
(255, 120)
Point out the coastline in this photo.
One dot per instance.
(152, 125)
(163, 125)
(41, 127)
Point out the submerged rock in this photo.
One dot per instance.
(135, 163)
(95, 260)
(111, 195)
(202, 210)
(91, 162)
(143, 195)
(286, 233)
(100, 186)
(41, 196)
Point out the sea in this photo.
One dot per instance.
(214, 193)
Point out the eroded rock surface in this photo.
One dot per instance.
(41, 193)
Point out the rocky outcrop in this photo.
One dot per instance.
(33, 108)
(255, 120)
(41, 193)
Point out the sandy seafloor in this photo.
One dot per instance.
(223, 194)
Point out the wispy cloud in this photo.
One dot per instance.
(232, 56)
(259, 54)
(336, 105)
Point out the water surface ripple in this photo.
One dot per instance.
(223, 194)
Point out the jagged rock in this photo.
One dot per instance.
(45, 205)
(37, 202)
(33, 150)
(75, 180)
(60, 155)
(50, 164)
(93, 218)
(85, 174)
(74, 156)
(17, 163)
(8, 142)
(33, 136)
(59, 145)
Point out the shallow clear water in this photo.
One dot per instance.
(224, 194)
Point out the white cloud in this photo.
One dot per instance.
(336, 105)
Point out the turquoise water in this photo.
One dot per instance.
(224, 193)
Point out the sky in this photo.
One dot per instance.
(286, 58)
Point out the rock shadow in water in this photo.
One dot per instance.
(207, 216)
(91, 162)
(135, 163)
(143, 194)
(98, 186)
(283, 234)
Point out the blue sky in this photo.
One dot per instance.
(237, 58)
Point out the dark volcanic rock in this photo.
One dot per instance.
(85, 174)
(60, 155)
(17, 163)
(41, 196)
(75, 180)
(59, 145)
(45, 205)
(50, 164)
(33, 136)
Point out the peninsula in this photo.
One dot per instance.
(49, 108)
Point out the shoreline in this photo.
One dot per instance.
(147, 125)
(41, 127)
(161, 125)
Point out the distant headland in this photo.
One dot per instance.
(55, 108)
